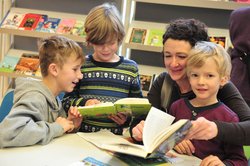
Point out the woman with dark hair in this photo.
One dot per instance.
(180, 36)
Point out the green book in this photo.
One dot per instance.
(155, 37)
(130, 106)
(9, 63)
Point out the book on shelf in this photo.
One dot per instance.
(8, 64)
(218, 40)
(146, 81)
(66, 25)
(30, 21)
(41, 22)
(155, 37)
(138, 35)
(130, 106)
(78, 29)
(50, 25)
(159, 136)
(12, 20)
(28, 64)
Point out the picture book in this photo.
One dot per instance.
(138, 35)
(218, 40)
(78, 29)
(159, 136)
(30, 21)
(155, 37)
(12, 20)
(8, 64)
(50, 25)
(41, 22)
(28, 64)
(66, 25)
(129, 106)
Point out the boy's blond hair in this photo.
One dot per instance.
(57, 49)
(103, 24)
(204, 50)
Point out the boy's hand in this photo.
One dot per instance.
(120, 118)
(137, 131)
(211, 160)
(65, 123)
(185, 147)
(92, 102)
(75, 116)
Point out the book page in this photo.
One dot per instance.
(104, 139)
(155, 123)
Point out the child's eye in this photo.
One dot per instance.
(167, 55)
(193, 75)
(210, 75)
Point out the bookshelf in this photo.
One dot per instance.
(16, 41)
(140, 15)
(37, 34)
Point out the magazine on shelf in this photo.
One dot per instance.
(138, 35)
(41, 22)
(130, 106)
(50, 25)
(78, 29)
(146, 81)
(66, 26)
(28, 64)
(30, 21)
(155, 37)
(219, 40)
(12, 20)
(159, 136)
(8, 64)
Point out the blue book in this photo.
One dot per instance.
(50, 25)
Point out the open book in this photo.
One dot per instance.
(159, 136)
(130, 106)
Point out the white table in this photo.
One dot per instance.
(62, 151)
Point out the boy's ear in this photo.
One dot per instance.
(53, 69)
(224, 80)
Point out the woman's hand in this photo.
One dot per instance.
(137, 131)
(212, 161)
(202, 129)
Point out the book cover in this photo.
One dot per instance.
(50, 25)
(129, 106)
(30, 21)
(9, 63)
(146, 81)
(218, 40)
(28, 64)
(89, 161)
(12, 20)
(78, 29)
(66, 25)
(41, 22)
(155, 37)
(138, 35)
(159, 136)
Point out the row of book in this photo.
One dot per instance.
(43, 23)
(27, 64)
(154, 37)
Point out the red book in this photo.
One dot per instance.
(30, 21)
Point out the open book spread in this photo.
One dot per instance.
(159, 136)
(129, 106)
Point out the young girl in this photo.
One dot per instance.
(37, 115)
(107, 77)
